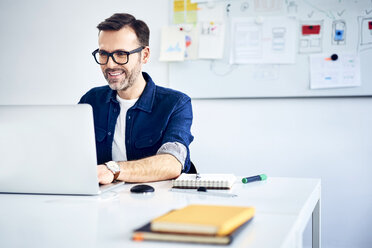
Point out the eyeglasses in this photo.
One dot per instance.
(120, 57)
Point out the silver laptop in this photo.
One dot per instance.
(48, 150)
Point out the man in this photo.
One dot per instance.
(142, 130)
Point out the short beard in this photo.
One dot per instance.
(129, 79)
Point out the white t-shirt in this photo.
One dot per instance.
(119, 152)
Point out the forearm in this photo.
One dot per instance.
(155, 168)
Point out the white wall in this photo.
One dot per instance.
(327, 138)
(46, 59)
(46, 47)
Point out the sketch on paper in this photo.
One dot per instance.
(211, 40)
(311, 38)
(247, 42)
(339, 32)
(271, 41)
(172, 46)
(325, 72)
(365, 33)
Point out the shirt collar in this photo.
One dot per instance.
(146, 99)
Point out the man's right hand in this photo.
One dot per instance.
(105, 176)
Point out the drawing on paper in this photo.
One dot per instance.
(268, 42)
(248, 42)
(339, 32)
(311, 38)
(365, 33)
(211, 40)
(328, 73)
(172, 46)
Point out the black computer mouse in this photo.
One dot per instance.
(142, 188)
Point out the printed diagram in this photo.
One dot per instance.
(311, 38)
(365, 32)
(339, 32)
(248, 44)
(271, 41)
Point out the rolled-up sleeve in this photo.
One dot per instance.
(179, 130)
(178, 150)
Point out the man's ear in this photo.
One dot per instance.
(145, 55)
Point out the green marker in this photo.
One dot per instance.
(261, 177)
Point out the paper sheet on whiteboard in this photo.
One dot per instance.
(328, 73)
(172, 44)
(269, 40)
(211, 40)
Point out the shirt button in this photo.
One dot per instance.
(109, 133)
(115, 109)
(127, 141)
(129, 117)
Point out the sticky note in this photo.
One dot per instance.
(178, 5)
(310, 29)
(178, 17)
(191, 6)
(191, 17)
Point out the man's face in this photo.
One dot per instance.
(120, 77)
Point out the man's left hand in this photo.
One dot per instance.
(105, 176)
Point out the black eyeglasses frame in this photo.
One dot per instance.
(137, 50)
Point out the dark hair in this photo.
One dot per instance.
(119, 20)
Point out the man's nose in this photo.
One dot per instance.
(111, 63)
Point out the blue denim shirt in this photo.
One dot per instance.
(159, 116)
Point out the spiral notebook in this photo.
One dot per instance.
(210, 181)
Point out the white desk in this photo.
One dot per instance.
(283, 208)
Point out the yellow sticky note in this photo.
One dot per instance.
(178, 17)
(191, 6)
(178, 5)
(191, 16)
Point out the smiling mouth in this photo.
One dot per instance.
(115, 73)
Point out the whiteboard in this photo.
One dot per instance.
(220, 79)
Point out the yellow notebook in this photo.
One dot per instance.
(203, 219)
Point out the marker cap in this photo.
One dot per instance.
(263, 177)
